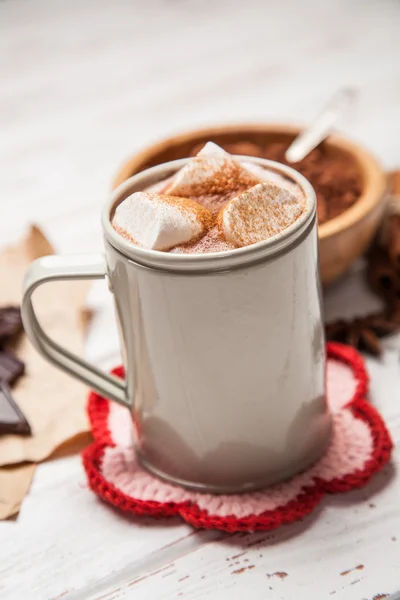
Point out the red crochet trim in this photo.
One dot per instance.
(98, 409)
(303, 505)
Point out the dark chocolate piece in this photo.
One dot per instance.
(12, 420)
(10, 367)
(10, 323)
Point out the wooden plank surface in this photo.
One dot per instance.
(83, 85)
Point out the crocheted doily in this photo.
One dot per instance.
(360, 447)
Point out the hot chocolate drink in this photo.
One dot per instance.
(224, 353)
(214, 203)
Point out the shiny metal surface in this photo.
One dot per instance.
(321, 127)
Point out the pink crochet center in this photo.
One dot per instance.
(351, 447)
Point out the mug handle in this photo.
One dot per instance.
(60, 268)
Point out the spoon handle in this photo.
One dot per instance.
(321, 126)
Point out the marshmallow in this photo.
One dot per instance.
(161, 222)
(212, 171)
(265, 174)
(259, 213)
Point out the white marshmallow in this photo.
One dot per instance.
(160, 222)
(265, 174)
(212, 171)
(259, 213)
(211, 148)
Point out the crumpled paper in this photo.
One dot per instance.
(52, 401)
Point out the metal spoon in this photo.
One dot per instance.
(319, 129)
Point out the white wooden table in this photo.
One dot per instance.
(84, 84)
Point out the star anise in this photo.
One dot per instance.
(363, 333)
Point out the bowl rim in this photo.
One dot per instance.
(375, 178)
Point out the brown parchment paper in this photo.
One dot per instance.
(51, 400)
(14, 485)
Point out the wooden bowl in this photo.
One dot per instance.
(342, 239)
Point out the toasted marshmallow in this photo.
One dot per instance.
(259, 213)
(159, 222)
(212, 171)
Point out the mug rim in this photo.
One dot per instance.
(275, 245)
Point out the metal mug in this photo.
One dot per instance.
(224, 353)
